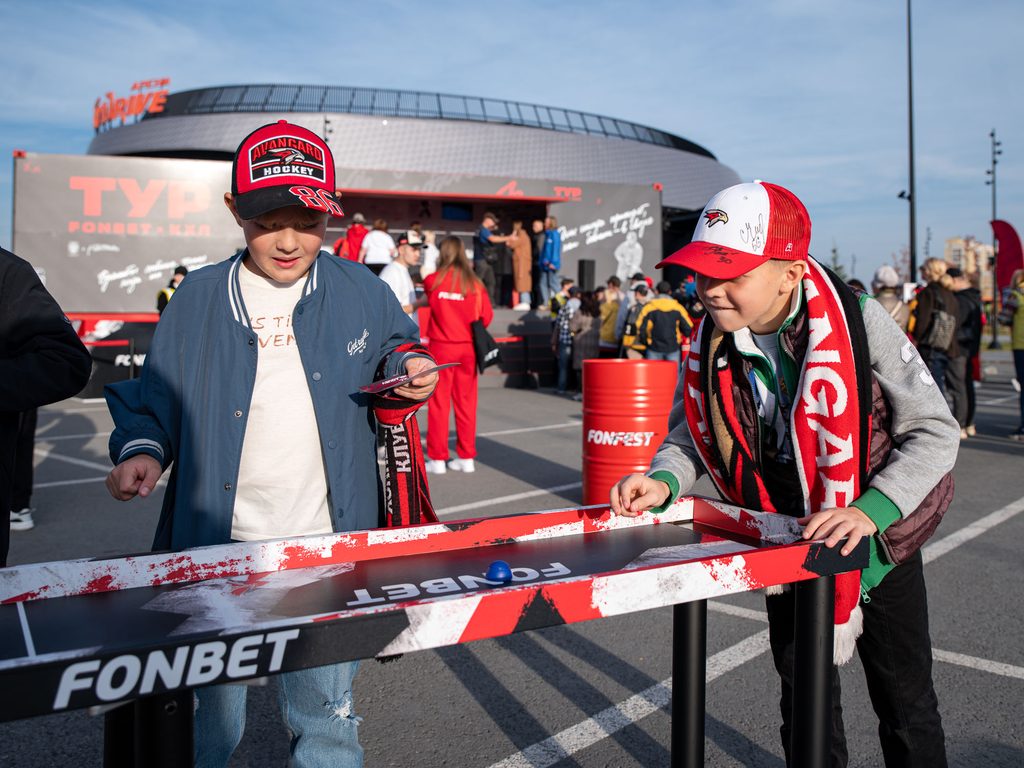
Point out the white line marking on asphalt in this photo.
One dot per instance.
(453, 436)
(972, 531)
(30, 647)
(984, 665)
(43, 453)
(37, 486)
(735, 610)
(998, 400)
(507, 499)
(531, 429)
(556, 748)
(570, 741)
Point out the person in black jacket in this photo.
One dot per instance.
(42, 361)
(937, 348)
(968, 337)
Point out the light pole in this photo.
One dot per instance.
(911, 198)
(994, 344)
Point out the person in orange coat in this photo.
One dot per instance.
(457, 298)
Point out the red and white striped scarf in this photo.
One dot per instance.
(827, 421)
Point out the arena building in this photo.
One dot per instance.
(443, 160)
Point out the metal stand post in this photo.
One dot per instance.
(151, 732)
(689, 672)
(812, 673)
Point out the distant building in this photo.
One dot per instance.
(974, 258)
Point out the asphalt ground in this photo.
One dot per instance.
(587, 694)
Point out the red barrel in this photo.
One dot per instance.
(626, 404)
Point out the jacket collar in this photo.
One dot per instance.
(235, 301)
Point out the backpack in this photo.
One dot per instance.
(630, 328)
(1010, 305)
(943, 328)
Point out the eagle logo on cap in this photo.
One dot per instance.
(288, 156)
(715, 216)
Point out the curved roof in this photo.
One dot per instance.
(391, 103)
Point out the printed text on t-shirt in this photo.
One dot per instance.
(273, 331)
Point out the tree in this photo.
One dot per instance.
(902, 263)
(838, 268)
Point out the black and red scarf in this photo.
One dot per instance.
(406, 493)
(829, 422)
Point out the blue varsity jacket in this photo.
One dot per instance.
(189, 407)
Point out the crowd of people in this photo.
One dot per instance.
(644, 323)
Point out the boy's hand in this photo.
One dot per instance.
(137, 475)
(636, 493)
(418, 389)
(834, 524)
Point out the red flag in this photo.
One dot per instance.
(1010, 257)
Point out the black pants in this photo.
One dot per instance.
(956, 388)
(21, 485)
(896, 652)
(969, 385)
(486, 274)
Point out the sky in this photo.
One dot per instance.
(809, 94)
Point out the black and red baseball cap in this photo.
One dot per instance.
(280, 165)
(743, 227)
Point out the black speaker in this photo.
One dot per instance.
(585, 274)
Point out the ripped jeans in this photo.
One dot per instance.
(317, 708)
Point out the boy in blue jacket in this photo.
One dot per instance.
(250, 394)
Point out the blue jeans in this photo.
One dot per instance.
(564, 361)
(937, 365)
(318, 712)
(524, 297)
(674, 357)
(549, 285)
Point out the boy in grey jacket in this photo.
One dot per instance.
(801, 398)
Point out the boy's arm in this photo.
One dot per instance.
(398, 329)
(925, 435)
(147, 410)
(677, 462)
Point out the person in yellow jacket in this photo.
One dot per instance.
(663, 327)
(164, 296)
(1014, 299)
(609, 345)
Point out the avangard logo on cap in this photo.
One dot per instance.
(286, 156)
(715, 216)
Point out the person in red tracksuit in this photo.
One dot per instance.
(456, 298)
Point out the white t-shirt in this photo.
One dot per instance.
(282, 481)
(379, 245)
(397, 277)
(430, 254)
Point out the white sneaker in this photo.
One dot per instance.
(521, 307)
(22, 521)
(435, 466)
(462, 465)
(1015, 384)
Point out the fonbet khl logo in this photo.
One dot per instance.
(715, 216)
(286, 156)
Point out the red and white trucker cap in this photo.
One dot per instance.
(282, 164)
(743, 227)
